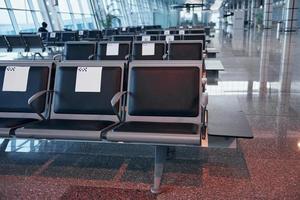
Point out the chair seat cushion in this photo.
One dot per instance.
(62, 124)
(14, 122)
(155, 127)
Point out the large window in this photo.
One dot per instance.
(76, 14)
(6, 27)
(20, 16)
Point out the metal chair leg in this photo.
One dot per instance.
(160, 158)
(4, 145)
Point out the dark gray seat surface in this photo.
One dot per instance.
(226, 118)
(155, 127)
(14, 122)
(62, 124)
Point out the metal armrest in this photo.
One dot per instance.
(116, 98)
(127, 57)
(91, 57)
(57, 56)
(165, 56)
(36, 96)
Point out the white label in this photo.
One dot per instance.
(52, 35)
(112, 49)
(148, 49)
(123, 29)
(167, 32)
(80, 32)
(15, 79)
(146, 38)
(169, 38)
(189, 26)
(88, 79)
(181, 32)
(180, 26)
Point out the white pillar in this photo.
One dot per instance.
(252, 17)
(268, 10)
(291, 12)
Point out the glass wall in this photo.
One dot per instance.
(27, 15)
(76, 14)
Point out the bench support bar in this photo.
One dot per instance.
(160, 158)
(4, 145)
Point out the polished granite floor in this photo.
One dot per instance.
(261, 71)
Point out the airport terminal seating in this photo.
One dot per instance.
(81, 106)
(135, 92)
(19, 80)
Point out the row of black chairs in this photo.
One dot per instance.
(86, 100)
(23, 42)
(138, 50)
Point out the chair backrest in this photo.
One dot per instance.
(69, 36)
(16, 42)
(185, 50)
(33, 42)
(82, 50)
(196, 37)
(119, 38)
(3, 43)
(154, 32)
(84, 89)
(94, 35)
(197, 31)
(114, 50)
(149, 50)
(53, 37)
(167, 37)
(164, 92)
(19, 80)
(146, 37)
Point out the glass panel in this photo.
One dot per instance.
(2, 4)
(36, 5)
(85, 7)
(5, 23)
(63, 6)
(19, 4)
(75, 6)
(90, 21)
(39, 17)
(78, 21)
(66, 17)
(25, 21)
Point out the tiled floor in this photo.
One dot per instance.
(263, 72)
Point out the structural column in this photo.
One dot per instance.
(291, 12)
(268, 10)
(252, 15)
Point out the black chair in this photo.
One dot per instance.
(146, 37)
(163, 109)
(83, 50)
(197, 31)
(109, 32)
(19, 80)
(185, 50)
(80, 112)
(94, 35)
(34, 43)
(69, 36)
(114, 50)
(196, 37)
(159, 50)
(166, 37)
(16, 43)
(119, 38)
(154, 32)
(3, 44)
(53, 38)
